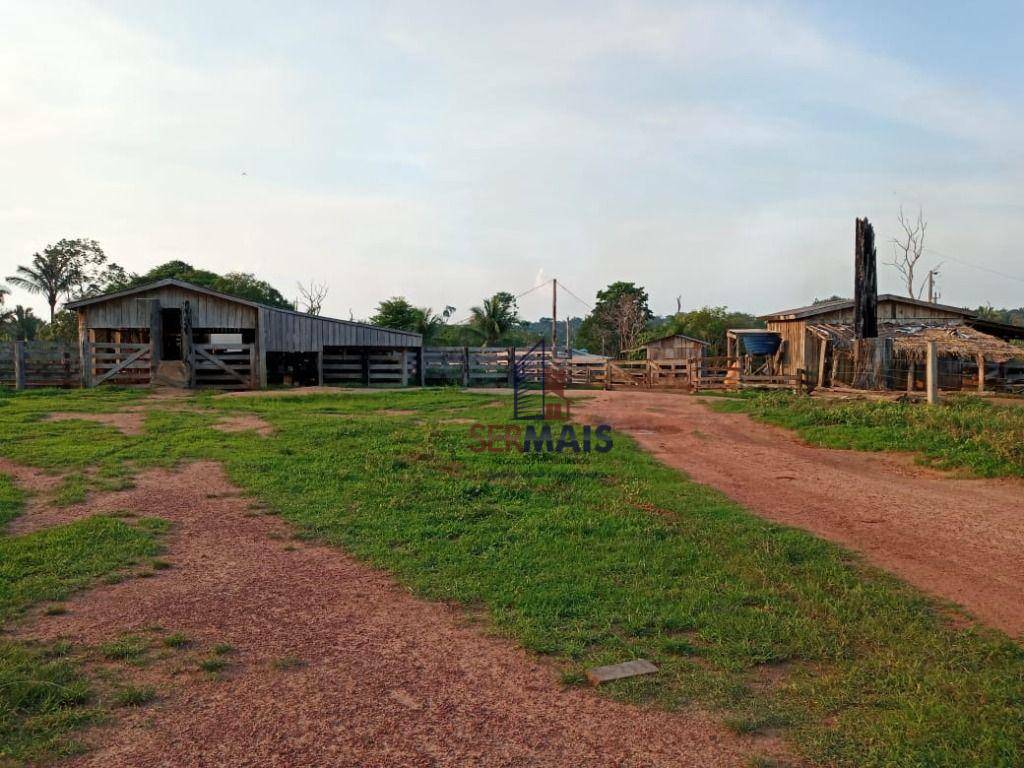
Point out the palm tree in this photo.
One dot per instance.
(494, 318)
(51, 273)
(22, 324)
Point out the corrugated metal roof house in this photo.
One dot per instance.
(175, 332)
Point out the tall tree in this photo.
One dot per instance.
(69, 268)
(494, 318)
(618, 320)
(50, 273)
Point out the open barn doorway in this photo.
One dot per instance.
(170, 334)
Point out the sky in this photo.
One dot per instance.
(717, 152)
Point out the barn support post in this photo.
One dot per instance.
(364, 360)
(155, 349)
(821, 363)
(404, 357)
(262, 342)
(911, 375)
(253, 372)
(981, 374)
(18, 350)
(933, 374)
(421, 366)
(465, 366)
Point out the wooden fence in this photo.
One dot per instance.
(481, 366)
(224, 366)
(116, 363)
(368, 367)
(26, 364)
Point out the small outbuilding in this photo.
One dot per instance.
(675, 346)
(176, 333)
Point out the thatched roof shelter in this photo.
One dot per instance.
(910, 339)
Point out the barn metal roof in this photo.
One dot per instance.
(840, 304)
(184, 284)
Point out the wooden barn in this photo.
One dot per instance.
(176, 333)
(817, 339)
(675, 346)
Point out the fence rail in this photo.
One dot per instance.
(30, 364)
(224, 366)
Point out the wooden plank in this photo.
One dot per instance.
(606, 674)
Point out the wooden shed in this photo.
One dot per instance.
(802, 350)
(176, 333)
(675, 346)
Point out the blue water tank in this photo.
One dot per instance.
(766, 343)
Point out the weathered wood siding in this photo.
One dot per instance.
(674, 348)
(283, 331)
(802, 348)
(133, 311)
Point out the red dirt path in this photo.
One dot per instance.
(959, 539)
(389, 680)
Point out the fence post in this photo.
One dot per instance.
(86, 371)
(19, 364)
(511, 367)
(607, 374)
(465, 366)
(933, 374)
(981, 373)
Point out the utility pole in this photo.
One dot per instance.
(554, 316)
(568, 338)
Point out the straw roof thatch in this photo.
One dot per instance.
(910, 339)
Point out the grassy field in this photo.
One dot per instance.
(593, 559)
(963, 432)
(43, 694)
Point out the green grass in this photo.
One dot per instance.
(48, 565)
(596, 559)
(177, 640)
(135, 696)
(213, 665)
(963, 432)
(44, 695)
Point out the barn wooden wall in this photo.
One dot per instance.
(674, 349)
(133, 311)
(282, 331)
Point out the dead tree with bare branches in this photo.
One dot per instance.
(907, 250)
(312, 297)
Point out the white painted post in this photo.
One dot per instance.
(933, 374)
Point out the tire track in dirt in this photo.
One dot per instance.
(387, 679)
(956, 538)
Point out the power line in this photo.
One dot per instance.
(581, 301)
(975, 266)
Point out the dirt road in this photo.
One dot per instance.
(333, 664)
(960, 539)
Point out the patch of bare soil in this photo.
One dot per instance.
(374, 677)
(244, 422)
(961, 539)
(129, 421)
